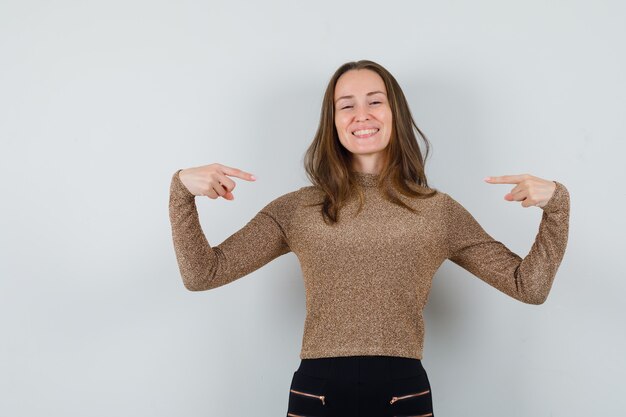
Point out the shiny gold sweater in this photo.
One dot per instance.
(368, 277)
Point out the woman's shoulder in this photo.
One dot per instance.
(429, 195)
(287, 202)
(441, 196)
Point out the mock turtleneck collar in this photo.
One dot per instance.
(365, 179)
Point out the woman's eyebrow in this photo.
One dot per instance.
(369, 94)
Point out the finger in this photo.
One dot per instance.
(225, 187)
(219, 189)
(516, 194)
(506, 179)
(523, 196)
(235, 172)
(226, 183)
(211, 194)
(528, 202)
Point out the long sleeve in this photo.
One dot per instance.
(528, 280)
(204, 267)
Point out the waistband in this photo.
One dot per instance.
(362, 368)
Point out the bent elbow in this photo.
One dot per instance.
(534, 289)
(535, 299)
(194, 285)
(192, 288)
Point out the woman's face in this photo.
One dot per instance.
(363, 116)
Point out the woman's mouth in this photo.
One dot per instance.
(365, 133)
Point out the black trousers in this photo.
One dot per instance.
(360, 386)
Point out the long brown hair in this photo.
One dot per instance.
(329, 165)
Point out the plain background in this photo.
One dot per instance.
(101, 101)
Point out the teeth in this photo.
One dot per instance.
(364, 132)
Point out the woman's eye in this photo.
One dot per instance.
(348, 107)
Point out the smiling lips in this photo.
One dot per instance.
(365, 133)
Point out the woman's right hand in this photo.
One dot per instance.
(212, 180)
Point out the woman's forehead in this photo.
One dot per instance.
(361, 82)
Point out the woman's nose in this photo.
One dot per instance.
(362, 113)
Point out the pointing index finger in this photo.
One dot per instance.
(505, 179)
(235, 172)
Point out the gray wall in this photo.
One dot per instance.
(102, 101)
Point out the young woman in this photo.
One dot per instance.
(369, 234)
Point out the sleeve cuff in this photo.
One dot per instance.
(179, 188)
(559, 200)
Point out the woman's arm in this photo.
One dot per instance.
(204, 267)
(528, 280)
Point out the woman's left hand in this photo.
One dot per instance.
(530, 190)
